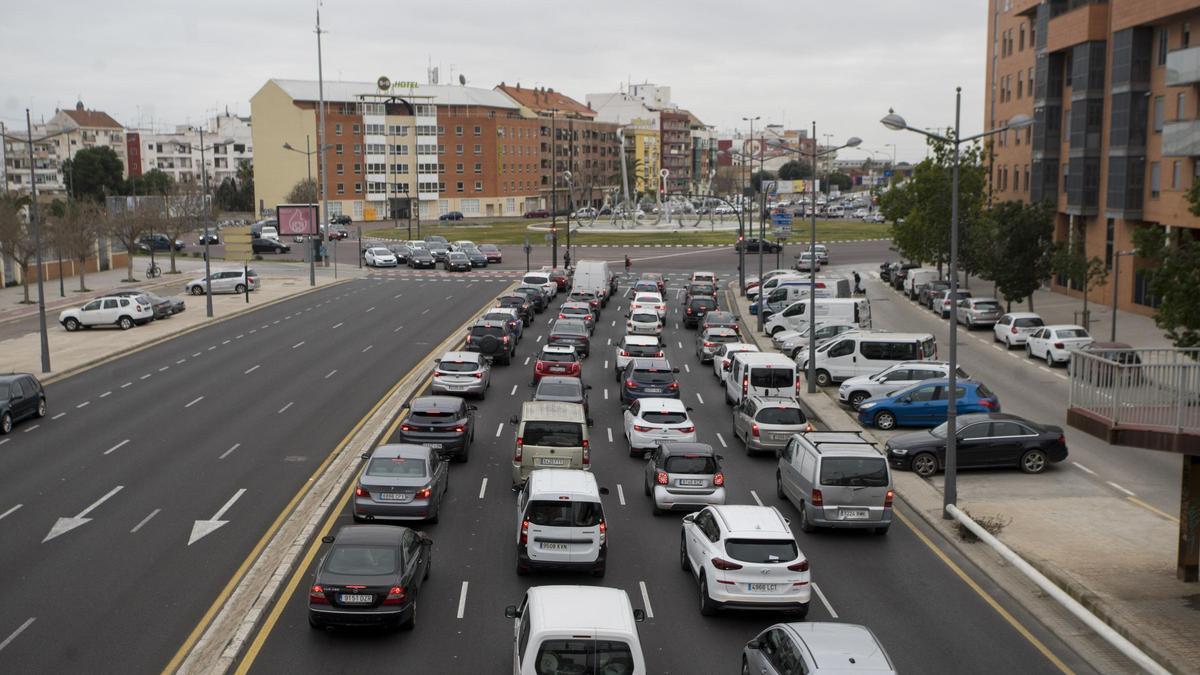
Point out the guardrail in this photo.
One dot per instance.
(1157, 389)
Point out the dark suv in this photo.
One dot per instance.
(492, 338)
(571, 333)
(648, 378)
(697, 308)
(158, 242)
(519, 302)
(21, 396)
(535, 295)
(444, 424)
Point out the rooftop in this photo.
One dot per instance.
(546, 99)
(440, 94)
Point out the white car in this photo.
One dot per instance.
(644, 321)
(635, 347)
(709, 277)
(648, 301)
(542, 280)
(745, 556)
(857, 389)
(822, 253)
(1015, 328)
(1055, 343)
(650, 420)
(378, 256)
(119, 310)
(225, 281)
(724, 355)
(781, 337)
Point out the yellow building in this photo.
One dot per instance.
(644, 164)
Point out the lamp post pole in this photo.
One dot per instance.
(747, 164)
(37, 245)
(311, 256)
(811, 373)
(208, 305)
(762, 227)
(553, 188)
(1112, 333)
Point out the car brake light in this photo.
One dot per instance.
(710, 344)
(660, 477)
(361, 491)
(587, 453)
(561, 315)
(423, 493)
(987, 403)
(689, 310)
(603, 532)
(1062, 439)
(638, 427)
(316, 595)
(405, 427)
(817, 498)
(624, 353)
(801, 566)
(478, 375)
(722, 564)
(658, 354)
(745, 384)
(1058, 345)
(539, 366)
(505, 339)
(719, 479)
(887, 499)
(754, 430)
(460, 428)
(688, 430)
(520, 447)
(673, 386)
(630, 383)
(1013, 330)
(395, 596)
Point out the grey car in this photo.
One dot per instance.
(767, 423)
(711, 338)
(816, 647)
(462, 374)
(684, 476)
(401, 481)
(974, 312)
(578, 310)
(566, 389)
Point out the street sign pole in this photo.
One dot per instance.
(238, 247)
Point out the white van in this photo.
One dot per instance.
(760, 374)
(595, 276)
(560, 522)
(270, 232)
(917, 278)
(542, 280)
(856, 311)
(861, 353)
(550, 435)
(576, 629)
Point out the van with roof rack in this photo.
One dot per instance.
(836, 479)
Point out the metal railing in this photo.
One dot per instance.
(1151, 388)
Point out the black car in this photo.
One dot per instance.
(438, 250)
(211, 236)
(753, 244)
(451, 215)
(519, 302)
(456, 262)
(163, 307)
(984, 440)
(445, 424)
(492, 338)
(341, 219)
(699, 288)
(697, 308)
(571, 333)
(419, 257)
(371, 576)
(21, 396)
(535, 295)
(566, 389)
(158, 242)
(493, 253)
(648, 378)
(898, 272)
(477, 258)
(269, 246)
(402, 252)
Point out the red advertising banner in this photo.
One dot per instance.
(297, 220)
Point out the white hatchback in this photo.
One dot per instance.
(378, 256)
(635, 346)
(1055, 343)
(652, 302)
(649, 421)
(1015, 328)
(644, 322)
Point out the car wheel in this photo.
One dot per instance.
(1007, 343)
(683, 559)
(1028, 351)
(6, 423)
(411, 621)
(800, 613)
(433, 520)
(745, 667)
(707, 606)
(1033, 461)
(823, 378)
(598, 573)
(41, 409)
(1049, 359)
(925, 465)
(71, 324)
(522, 570)
(779, 487)
(885, 420)
(857, 398)
(775, 330)
(125, 323)
(240, 289)
(806, 525)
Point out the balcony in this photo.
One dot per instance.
(1183, 67)
(1181, 138)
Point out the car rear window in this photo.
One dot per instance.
(984, 392)
(555, 357)
(654, 376)
(641, 350)
(723, 339)
(771, 378)
(664, 417)
(703, 302)
(988, 306)
(780, 415)
(552, 434)
(1031, 322)
(458, 366)
(695, 464)
(397, 467)
(583, 656)
(761, 550)
(481, 331)
(497, 316)
(563, 513)
(577, 311)
(561, 328)
(558, 389)
(705, 289)
(362, 560)
(644, 318)
(1072, 333)
(434, 415)
(854, 472)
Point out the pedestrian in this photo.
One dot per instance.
(628, 263)
(567, 259)
(858, 289)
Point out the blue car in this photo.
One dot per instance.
(648, 378)
(924, 404)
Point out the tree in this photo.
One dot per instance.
(303, 192)
(795, 170)
(153, 182)
(1022, 251)
(73, 234)
(1173, 275)
(839, 180)
(1070, 260)
(16, 238)
(186, 213)
(127, 224)
(95, 173)
(758, 177)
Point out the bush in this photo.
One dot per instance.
(991, 524)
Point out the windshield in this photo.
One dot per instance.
(397, 467)
(552, 434)
(362, 560)
(458, 366)
(761, 550)
(854, 472)
(780, 415)
(654, 377)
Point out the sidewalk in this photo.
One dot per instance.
(1111, 555)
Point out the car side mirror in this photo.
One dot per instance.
(514, 419)
(689, 518)
(511, 612)
(365, 455)
(603, 490)
(639, 615)
(728, 367)
(689, 408)
(674, 370)
(590, 421)
(328, 539)
(472, 408)
(756, 645)
(587, 387)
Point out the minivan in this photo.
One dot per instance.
(550, 435)
(760, 374)
(790, 291)
(856, 354)
(552, 635)
(836, 479)
(560, 522)
(856, 311)
(917, 278)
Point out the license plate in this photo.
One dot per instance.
(347, 599)
(653, 390)
(550, 461)
(394, 496)
(762, 588)
(434, 446)
(551, 546)
(558, 370)
(854, 514)
(689, 482)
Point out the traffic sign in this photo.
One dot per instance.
(781, 224)
(887, 173)
(237, 243)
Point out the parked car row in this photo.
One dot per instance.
(460, 256)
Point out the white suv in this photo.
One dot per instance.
(226, 281)
(635, 346)
(121, 311)
(745, 557)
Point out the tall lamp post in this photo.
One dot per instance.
(897, 123)
(746, 163)
(311, 255)
(1112, 333)
(205, 205)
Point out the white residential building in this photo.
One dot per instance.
(227, 143)
(68, 132)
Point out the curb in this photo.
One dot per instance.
(88, 365)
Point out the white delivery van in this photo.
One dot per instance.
(916, 279)
(595, 276)
(860, 353)
(576, 629)
(760, 374)
(856, 311)
(786, 293)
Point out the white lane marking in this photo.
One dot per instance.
(825, 601)
(1045, 369)
(116, 447)
(164, 368)
(180, 361)
(722, 440)
(298, 344)
(144, 521)
(606, 393)
(606, 364)
(539, 339)
(700, 398)
(483, 487)
(462, 600)
(64, 525)
(621, 494)
(677, 328)
(3, 441)
(284, 408)
(367, 349)
(369, 310)
(226, 342)
(194, 402)
(230, 450)
(57, 416)
(127, 384)
(106, 394)
(1060, 376)
(449, 297)
(514, 391)
(32, 428)
(83, 405)
(1118, 487)
(756, 499)
(609, 342)
(527, 359)
(681, 346)
(614, 322)
(342, 323)
(252, 369)
(397, 297)
(687, 368)
(499, 429)
(398, 329)
(646, 600)
(331, 373)
(426, 311)
(609, 430)
(8, 640)
(239, 337)
(1084, 469)
(145, 377)
(198, 353)
(997, 348)
(212, 348)
(10, 511)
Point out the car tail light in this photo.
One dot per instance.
(887, 499)
(405, 427)
(525, 531)
(719, 479)
(478, 375)
(505, 339)
(638, 427)
(460, 428)
(1014, 329)
(587, 453)
(539, 366)
(801, 566)
(660, 477)
(624, 353)
(817, 498)
(396, 596)
(658, 354)
(797, 381)
(987, 403)
(754, 430)
(1062, 439)
(361, 491)
(710, 344)
(1058, 345)
(689, 310)
(723, 564)
(423, 493)
(316, 595)
(561, 315)
(745, 384)
(688, 430)
(520, 447)
(603, 532)
(630, 383)
(674, 386)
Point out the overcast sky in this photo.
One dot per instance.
(842, 64)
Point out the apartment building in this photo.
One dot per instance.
(65, 134)
(1112, 88)
(227, 144)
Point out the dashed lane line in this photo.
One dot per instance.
(83, 405)
(1121, 489)
(756, 499)
(825, 601)
(721, 440)
(1084, 469)
(462, 599)
(284, 408)
(499, 429)
(29, 429)
(621, 494)
(230, 450)
(367, 348)
(298, 345)
(514, 391)
(646, 600)
(609, 430)
(194, 402)
(106, 394)
(700, 398)
(483, 487)
(331, 373)
(10, 511)
(8, 640)
(251, 369)
(338, 324)
(144, 521)
(62, 414)
(116, 447)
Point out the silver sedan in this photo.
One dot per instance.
(708, 341)
(401, 481)
(462, 374)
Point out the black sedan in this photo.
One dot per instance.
(477, 258)
(984, 441)
(571, 333)
(451, 215)
(445, 424)
(371, 576)
(421, 258)
(754, 244)
(402, 252)
(457, 262)
(519, 302)
(212, 237)
(535, 295)
(269, 246)
(21, 396)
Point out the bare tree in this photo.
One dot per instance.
(303, 192)
(16, 240)
(185, 213)
(127, 224)
(74, 233)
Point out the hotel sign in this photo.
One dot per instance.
(385, 84)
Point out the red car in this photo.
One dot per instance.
(560, 361)
(559, 277)
(537, 213)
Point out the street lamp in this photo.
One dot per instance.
(897, 123)
(312, 254)
(204, 202)
(1112, 335)
(742, 207)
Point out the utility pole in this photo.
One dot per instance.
(321, 168)
(208, 307)
(553, 188)
(37, 244)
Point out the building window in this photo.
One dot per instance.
(478, 149)
(458, 168)
(458, 148)
(338, 148)
(1162, 46)
(357, 129)
(337, 129)
(458, 130)
(441, 130)
(1109, 232)
(1158, 114)
(1185, 37)
(341, 188)
(1155, 179)
(441, 168)
(441, 186)
(478, 130)
(479, 167)
(358, 168)
(1176, 174)
(341, 169)
(441, 149)
(357, 188)
(358, 148)
(1180, 105)
(459, 186)
(479, 186)
(1021, 42)
(1141, 290)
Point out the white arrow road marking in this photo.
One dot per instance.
(203, 528)
(646, 600)
(825, 602)
(64, 525)
(462, 600)
(8, 640)
(116, 447)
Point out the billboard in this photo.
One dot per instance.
(788, 187)
(297, 220)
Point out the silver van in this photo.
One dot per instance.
(836, 479)
(550, 435)
(767, 423)
(560, 522)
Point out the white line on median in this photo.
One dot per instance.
(8, 640)
(483, 487)
(281, 410)
(115, 447)
(339, 324)
(194, 402)
(144, 521)
(700, 398)
(756, 499)
(825, 602)
(646, 600)
(722, 440)
(1118, 487)
(106, 394)
(621, 494)
(10, 511)
(462, 600)
(609, 430)
(298, 344)
(230, 450)
(514, 391)
(252, 369)
(499, 429)
(57, 416)
(331, 373)
(367, 348)
(83, 405)
(1084, 469)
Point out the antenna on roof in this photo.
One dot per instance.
(462, 80)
